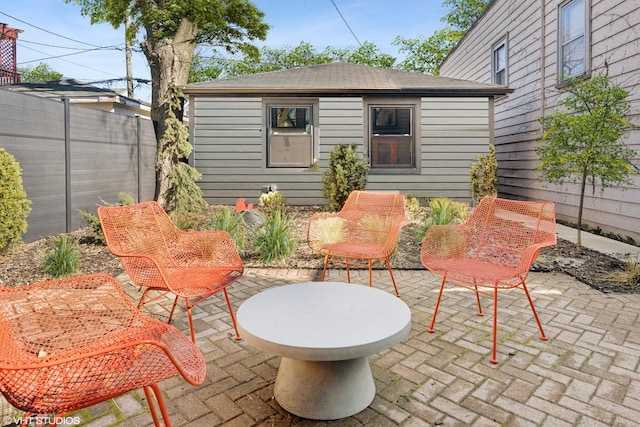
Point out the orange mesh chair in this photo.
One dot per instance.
(159, 256)
(493, 249)
(366, 228)
(71, 343)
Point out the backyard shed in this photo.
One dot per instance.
(419, 133)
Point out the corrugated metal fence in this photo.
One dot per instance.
(73, 158)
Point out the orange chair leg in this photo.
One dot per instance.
(324, 270)
(173, 308)
(158, 398)
(346, 262)
(435, 312)
(393, 280)
(233, 318)
(494, 358)
(144, 296)
(193, 335)
(370, 273)
(543, 337)
(480, 312)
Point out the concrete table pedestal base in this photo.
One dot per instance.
(321, 390)
(324, 333)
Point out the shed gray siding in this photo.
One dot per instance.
(532, 65)
(103, 159)
(341, 122)
(229, 137)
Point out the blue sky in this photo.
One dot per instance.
(53, 28)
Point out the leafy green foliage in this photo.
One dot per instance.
(346, 173)
(365, 54)
(276, 238)
(276, 59)
(413, 206)
(126, 199)
(39, 73)
(443, 211)
(484, 175)
(272, 201)
(224, 23)
(583, 144)
(182, 193)
(425, 54)
(227, 219)
(463, 13)
(172, 30)
(62, 258)
(188, 221)
(94, 222)
(14, 206)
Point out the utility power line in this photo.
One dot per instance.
(114, 47)
(49, 32)
(346, 23)
(59, 56)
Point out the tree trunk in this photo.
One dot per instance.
(169, 63)
(583, 186)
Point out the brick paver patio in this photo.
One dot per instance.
(586, 374)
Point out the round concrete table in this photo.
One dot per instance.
(324, 332)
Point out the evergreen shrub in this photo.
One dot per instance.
(346, 173)
(14, 205)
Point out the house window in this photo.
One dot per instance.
(573, 56)
(290, 136)
(392, 137)
(499, 63)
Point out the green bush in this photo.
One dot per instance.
(125, 199)
(94, 223)
(276, 238)
(413, 207)
(188, 220)
(443, 211)
(227, 219)
(62, 258)
(14, 206)
(484, 175)
(271, 202)
(346, 173)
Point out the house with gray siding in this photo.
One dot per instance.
(419, 133)
(531, 46)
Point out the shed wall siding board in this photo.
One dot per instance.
(230, 148)
(341, 121)
(532, 72)
(103, 158)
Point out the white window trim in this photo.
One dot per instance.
(587, 41)
(504, 41)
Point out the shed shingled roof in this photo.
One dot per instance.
(70, 88)
(344, 78)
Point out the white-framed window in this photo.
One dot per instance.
(392, 141)
(290, 134)
(499, 61)
(573, 39)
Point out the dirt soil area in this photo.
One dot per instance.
(23, 265)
